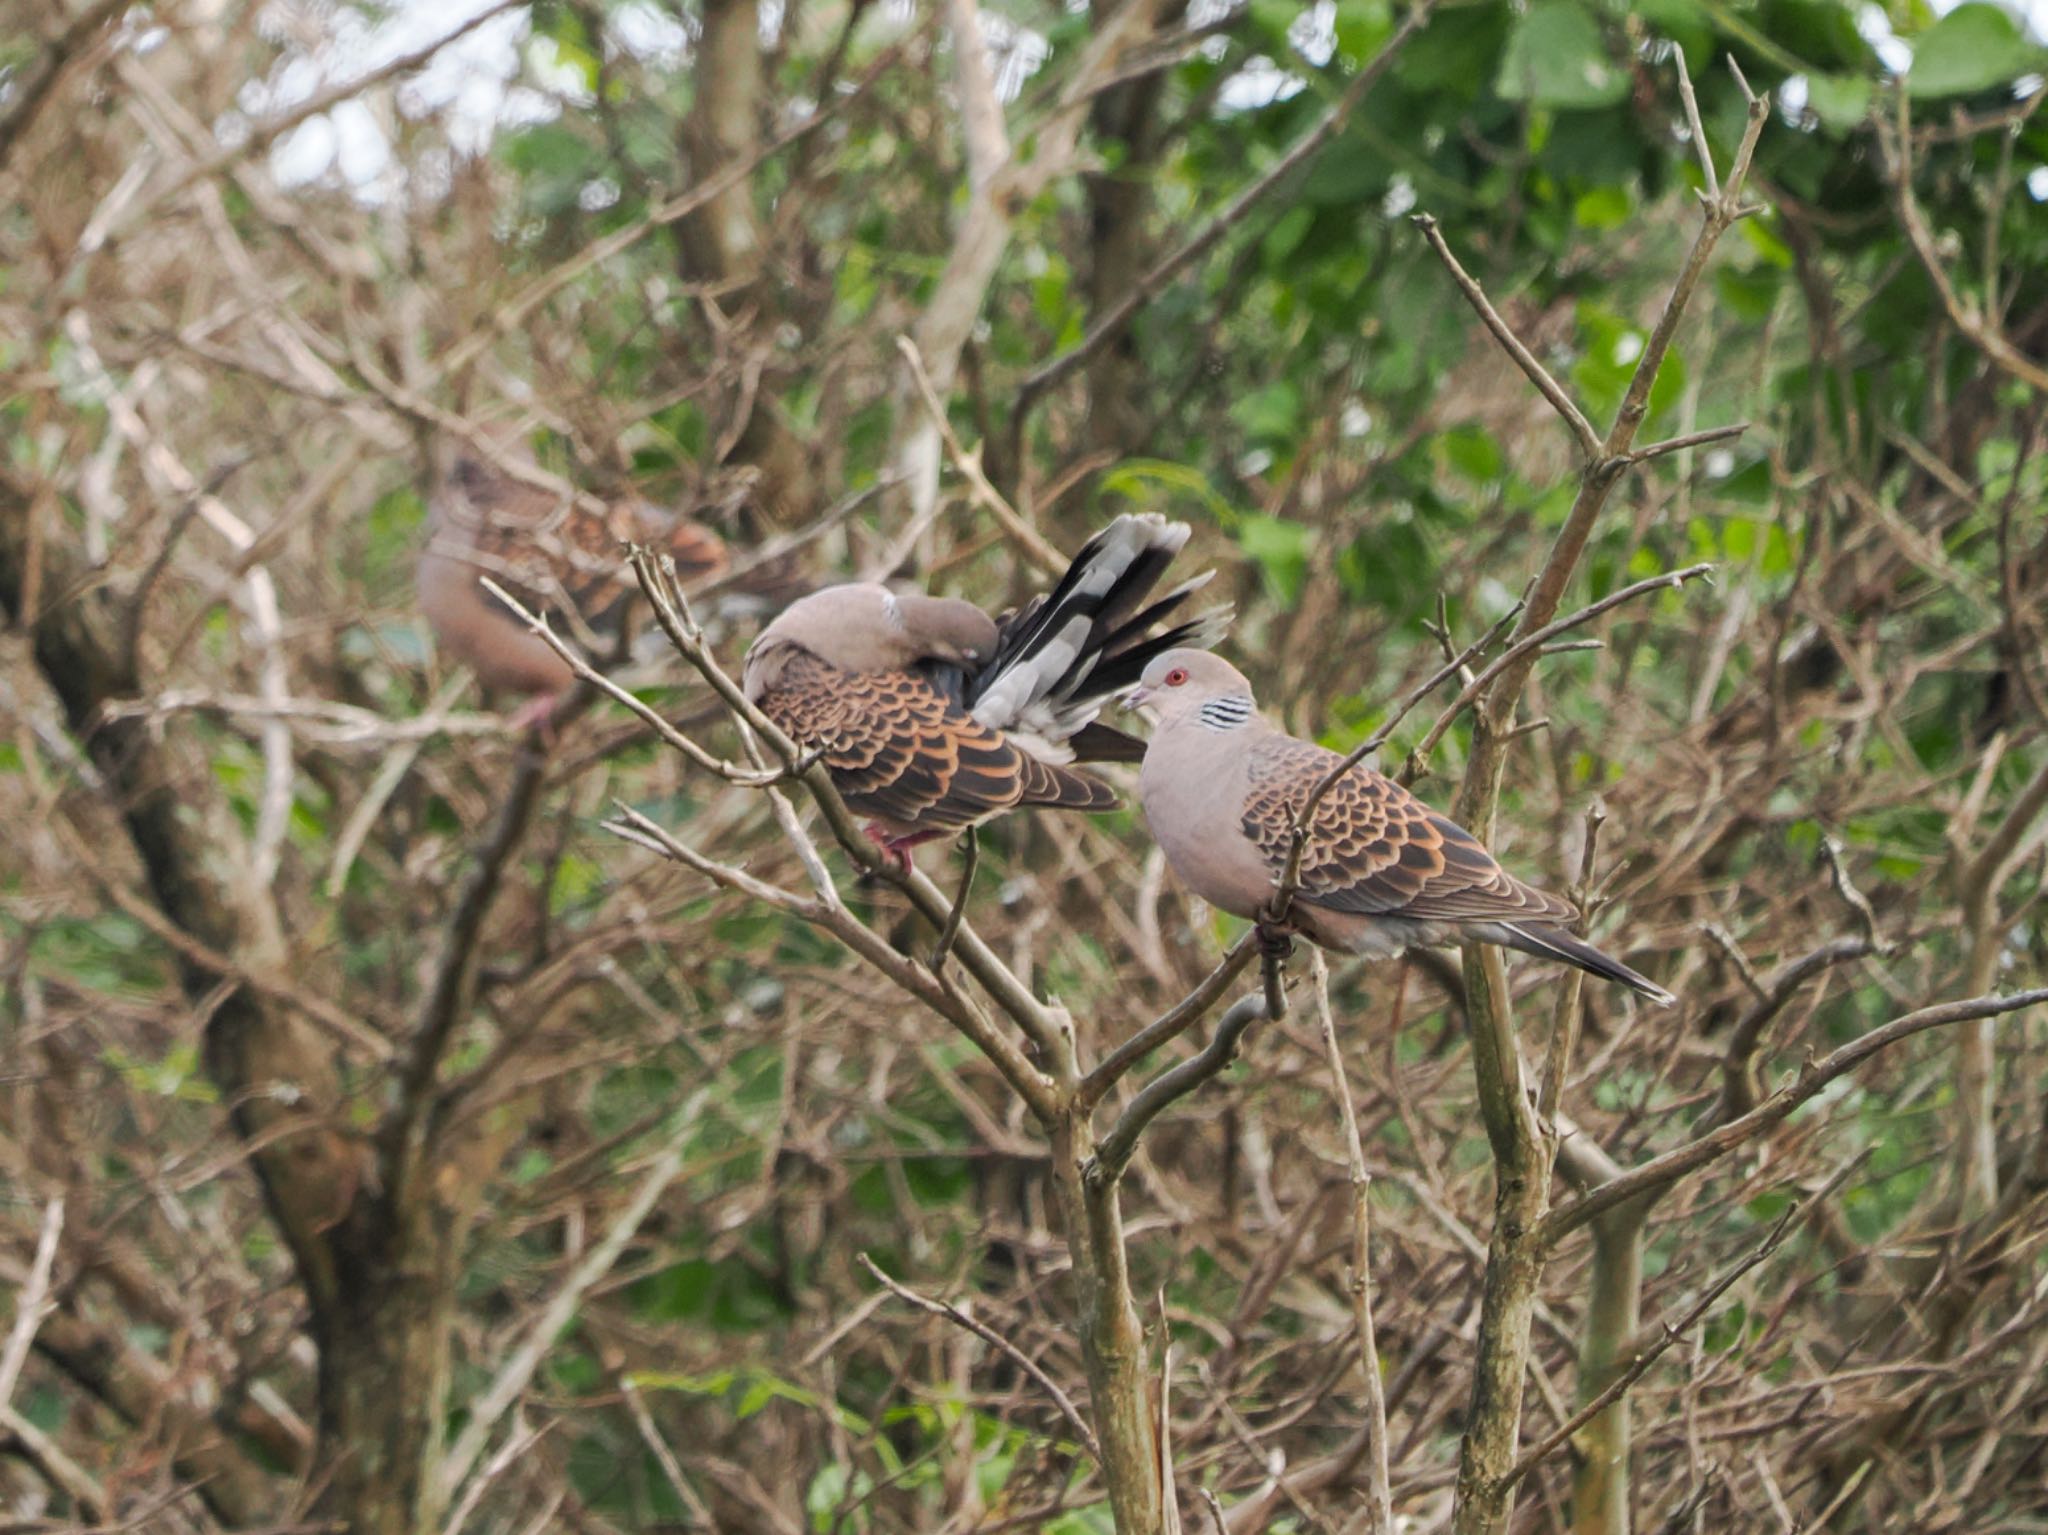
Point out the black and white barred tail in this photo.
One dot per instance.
(1062, 656)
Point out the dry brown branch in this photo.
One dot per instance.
(509, 1382)
(1814, 1075)
(1566, 407)
(996, 1340)
(1169, 1026)
(1671, 1331)
(32, 1301)
(1485, 1492)
(1105, 328)
(1379, 1498)
(1113, 1153)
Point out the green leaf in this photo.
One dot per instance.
(1557, 58)
(1839, 101)
(1271, 413)
(1281, 549)
(1602, 208)
(1361, 27)
(1287, 232)
(1472, 451)
(1273, 17)
(1972, 48)
(1748, 295)
(1135, 479)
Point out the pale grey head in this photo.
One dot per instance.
(1194, 685)
(865, 627)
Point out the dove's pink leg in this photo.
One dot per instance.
(537, 713)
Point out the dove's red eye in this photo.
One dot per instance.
(1177, 676)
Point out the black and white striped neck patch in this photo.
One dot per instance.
(1225, 713)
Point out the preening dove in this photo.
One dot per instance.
(933, 717)
(1381, 872)
(548, 552)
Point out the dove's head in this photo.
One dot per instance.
(1179, 683)
(865, 627)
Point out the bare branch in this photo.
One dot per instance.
(1379, 1496)
(1530, 645)
(1689, 440)
(32, 1302)
(1672, 1331)
(1168, 1026)
(1692, 123)
(1857, 901)
(1113, 1153)
(1154, 281)
(647, 714)
(1813, 1076)
(1548, 387)
(990, 1336)
(1739, 1091)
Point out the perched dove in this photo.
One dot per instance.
(1381, 872)
(545, 550)
(933, 717)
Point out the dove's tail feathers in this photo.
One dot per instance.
(1556, 943)
(1062, 655)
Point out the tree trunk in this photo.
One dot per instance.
(1119, 201)
(1600, 1482)
(1112, 1340)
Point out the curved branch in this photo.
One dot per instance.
(1113, 1153)
(1813, 1076)
(1168, 1026)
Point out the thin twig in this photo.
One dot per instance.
(510, 1382)
(645, 712)
(1550, 388)
(990, 1336)
(1672, 1331)
(1168, 1026)
(1041, 553)
(1692, 123)
(1154, 280)
(1812, 1077)
(1564, 1026)
(1690, 440)
(1113, 1153)
(1856, 900)
(1379, 1495)
(32, 1302)
(1531, 644)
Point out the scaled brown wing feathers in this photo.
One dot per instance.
(548, 548)
(898, 748)
(1376, 850)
